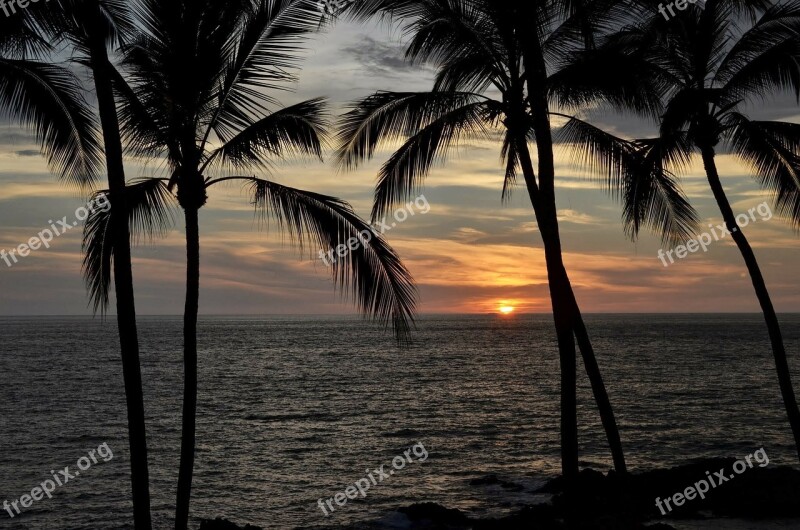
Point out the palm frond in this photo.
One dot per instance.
(393, 10)
(263, 56)
(119, 21)
(582, 22)
(144, 132)
(637, 177)
(444, 32)
(371, 272)
(602, 155)
(300, 128)
(766, 59)
(83, 22)
(764, 53)
(48, 99)
(684, 108)
(469, 73)
(510, 156)
(401, 176)
(392, 116)
(653, 197)
(772, 149)
(22, 36)
(149, 207)
(177, 64)
(610, 75)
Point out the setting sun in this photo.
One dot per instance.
(506, 309)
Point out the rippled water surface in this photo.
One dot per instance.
(295, 409)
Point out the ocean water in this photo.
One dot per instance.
(292, 410)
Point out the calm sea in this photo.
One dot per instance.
(295, 409)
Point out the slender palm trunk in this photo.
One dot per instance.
(771, 318)
(190, 367)
(559, 297)
(544, 143)
(536, 80)
(123, 285)
(598, 388)
(547, 217)
(562, 316)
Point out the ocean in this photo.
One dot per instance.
(296, 409)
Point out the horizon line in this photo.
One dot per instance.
(353, 315)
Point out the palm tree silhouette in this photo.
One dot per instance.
(482, 45)
(48, 97)
(712, 65)
(195, 89)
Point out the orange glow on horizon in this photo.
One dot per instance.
(506, 309)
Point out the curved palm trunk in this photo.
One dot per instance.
(559, 297)
(190, 368)
(598, 388)
(536, 80)
(562, 316)
(771, 318)
(123, 286)
(547, 218)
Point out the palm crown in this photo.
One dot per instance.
(482, 48)
(717, 62)
(197, 88)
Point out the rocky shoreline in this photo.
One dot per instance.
(615, 502)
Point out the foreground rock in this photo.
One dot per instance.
(756, 493)
(432, 516)
(595, 501)
(613, 502)
(493, 480)
(223, 524)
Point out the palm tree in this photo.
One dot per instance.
(715, 63)
(48, 97)
(480, 46)
(195, 90)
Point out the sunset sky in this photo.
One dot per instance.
(469, 254)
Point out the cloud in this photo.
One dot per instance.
(578, 218)
(12, 135)
(28, 152)
(381, 59)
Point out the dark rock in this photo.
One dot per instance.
(756, 493)
(548, 517)
(587, 478)
(538, 517)
(493, 480)
(223, 524)
(430, 512)
(488, 480)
